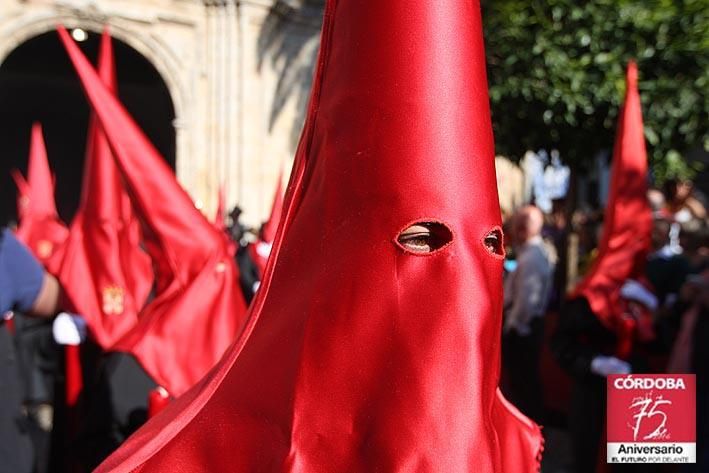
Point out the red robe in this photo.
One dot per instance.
(627, 225)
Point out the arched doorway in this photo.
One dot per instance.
(38, 83)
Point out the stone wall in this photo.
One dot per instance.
(237, 72)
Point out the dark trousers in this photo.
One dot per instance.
(520, 358)
(587, 419)
(15, 444)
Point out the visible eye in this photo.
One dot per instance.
(416, 238)
(493, 242)
(425, 237)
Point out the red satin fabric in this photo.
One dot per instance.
(74, 377)
(40, 228)
(358, 355)
(105, 275)
(23, 192)
(520, 438)
(628, 221)
(198, 310)
(158, 399)
(10, 325)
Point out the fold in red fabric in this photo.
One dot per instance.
(521, 440)
(361, 355)
(105, 274)
(627, 225)
(40, 227)
(198, 309)
(74, 381)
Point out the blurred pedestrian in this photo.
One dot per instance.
(683, 202)
(666, 269)
(526, 296)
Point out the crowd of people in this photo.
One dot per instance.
(669, 299)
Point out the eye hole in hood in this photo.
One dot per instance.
(494, 242)
(426, 237)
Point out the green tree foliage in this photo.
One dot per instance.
(556, 71)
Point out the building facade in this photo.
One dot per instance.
(238, 73)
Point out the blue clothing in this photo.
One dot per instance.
(21, 275)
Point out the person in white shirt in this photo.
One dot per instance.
(526, 297)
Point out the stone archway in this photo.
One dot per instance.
(160, 55)
(37, 83)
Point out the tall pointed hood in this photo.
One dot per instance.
(105, 275)
(23, 192)
(39, 176)
(40, 228)
(261, 249)
(627, 225)
(368, 350)
(268, 233)
(198, 309)
(219, 217)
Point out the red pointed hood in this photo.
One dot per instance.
(23, 192)
(268, 233)
(105, 275)
(40, 228)
(198, 309)
(39, 176)
(627, 226)
(219, 217)
(360, 355)
(261, 249)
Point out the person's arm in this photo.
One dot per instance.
(696, 208)
(32, 291)
(46, 304)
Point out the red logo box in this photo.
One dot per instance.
(651, 418)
